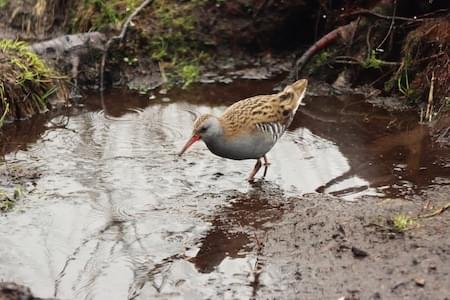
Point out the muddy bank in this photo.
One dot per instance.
(392, 47)
(321, 247)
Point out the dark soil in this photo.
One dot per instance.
(327, 248)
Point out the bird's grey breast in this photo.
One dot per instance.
(248, 146)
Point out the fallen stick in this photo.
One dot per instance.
(342, 31)
(436, 212)
(429, 113)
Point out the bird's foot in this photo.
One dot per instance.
(250, 180)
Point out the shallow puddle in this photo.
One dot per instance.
(111, 212)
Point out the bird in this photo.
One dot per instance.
(249, 128)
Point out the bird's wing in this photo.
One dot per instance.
(270, 114)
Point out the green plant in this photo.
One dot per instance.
(25, 79)
(5, 104)
(99, 14)
(189, 73)
(402, 222)
(173, 40)
(30, 66)
(319, 60)
(372, 61)
(8, 202)
(3, 3)
(403, 85)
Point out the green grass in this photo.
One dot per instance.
(25, 79)
(5, 104)
(7, 201)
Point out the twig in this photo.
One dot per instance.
(380, 16)
(316, 25)
(353, 61)
(436, 212)
(119, 37)
(428, 58)
(429, 113)
(390, 26)
(369, 46)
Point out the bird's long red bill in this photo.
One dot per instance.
(189, 143)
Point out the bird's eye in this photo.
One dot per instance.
(202, 129)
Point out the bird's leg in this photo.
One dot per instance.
(255, 170)
(266, 165)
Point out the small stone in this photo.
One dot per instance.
(419, 281)
(165, 99)
(359, 253)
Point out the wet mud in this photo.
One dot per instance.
(111, 212)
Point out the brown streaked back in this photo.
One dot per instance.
(243, 117)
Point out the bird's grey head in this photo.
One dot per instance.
(207, 126)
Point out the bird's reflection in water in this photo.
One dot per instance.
(235, 228)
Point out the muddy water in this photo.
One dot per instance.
(110, 211)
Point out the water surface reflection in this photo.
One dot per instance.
(115, 214)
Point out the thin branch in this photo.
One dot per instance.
(436, 212)
(390, 26)
(119, 37)
(353, 61)
(429, 112)
(369, 46)
(428, 58)
(380, 16)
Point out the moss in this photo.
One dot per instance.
(165, 31)
(320, 60)
(26, 82)
(173, 40)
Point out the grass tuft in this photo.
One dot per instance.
(402, 222)
(26, 82)
(7, 202)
